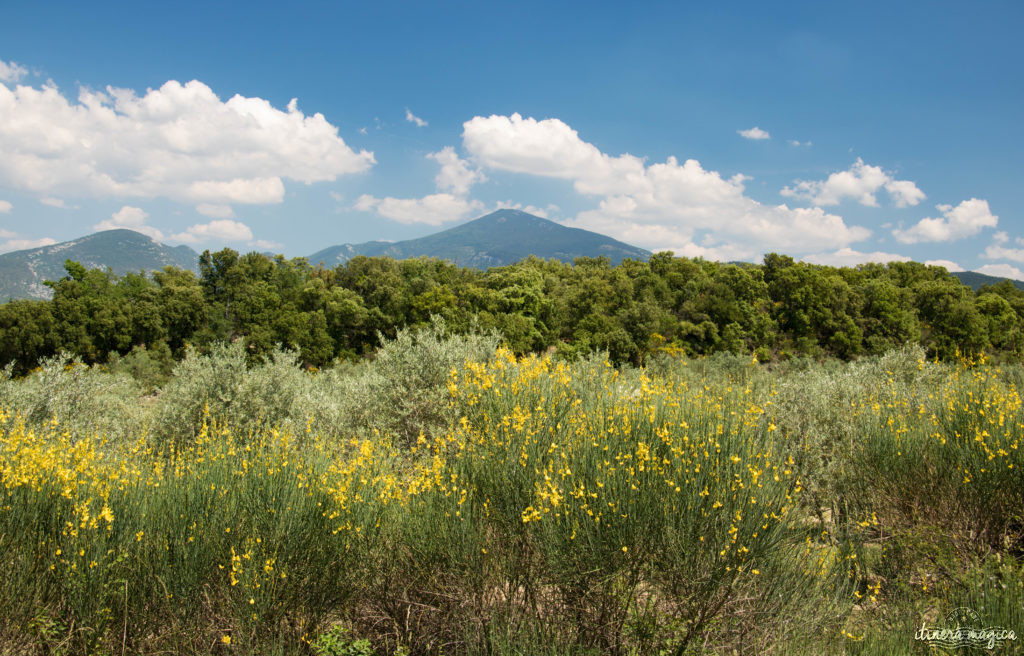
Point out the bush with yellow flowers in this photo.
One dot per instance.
(543, 506)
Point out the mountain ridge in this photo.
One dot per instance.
(23, 272)
(976, 280)
(496, 239)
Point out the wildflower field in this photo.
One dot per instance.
(449, 497)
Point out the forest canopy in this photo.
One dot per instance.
(778, 309)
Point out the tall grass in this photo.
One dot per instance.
(448, 497)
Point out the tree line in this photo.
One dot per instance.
(777, 309)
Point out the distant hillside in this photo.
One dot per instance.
(22, 272)
(497, 239)
(976, 280)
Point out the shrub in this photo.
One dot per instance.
(78, 397)
(404, 390)
(224, 386)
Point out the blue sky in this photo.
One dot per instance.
(838, 134)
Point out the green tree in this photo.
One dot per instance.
(26, 333)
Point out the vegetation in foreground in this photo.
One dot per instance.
(449, 497)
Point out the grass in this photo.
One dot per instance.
(450, 498)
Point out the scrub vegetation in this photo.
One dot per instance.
(452, 496)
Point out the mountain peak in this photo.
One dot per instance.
(496, 239)
(508, 213)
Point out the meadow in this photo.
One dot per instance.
(450, 497)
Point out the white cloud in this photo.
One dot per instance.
(131, 218)
(22, 244)
(722, 253)
(12, 72)
(542, 212)
(904, 193)
(453, 182)
(179, 142)
(59, 203)
(1002, 271)
(966, 219)
(434, 209)
(948, 265)
(412, 118)
(847, 257)
(997, 252)
(5, 207)
(221, 229)
(266, 245)
(755, 133)
(798, 144)
(862, 182)
(215, 211)
(658, 206)
(455, 175)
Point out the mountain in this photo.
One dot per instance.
(22, 272)
(975, 280)
(497, 239)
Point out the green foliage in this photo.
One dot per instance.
(151, 368)
(632, 311)
(295, 503)
(405, 392)
(224, 385)
(74, 395)
(339, 642)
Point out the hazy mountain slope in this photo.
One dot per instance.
(22, 272)
(497, 239)
(975, 280)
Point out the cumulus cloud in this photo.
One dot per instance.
(755, 133)
(434, 209)
(456, 174)
(215, 211)
(1002, 271)
(1000, 252)
(266, 245)
(948, 265)
(14, 242)
(221, 229)
(12, 72)
(412, 118)
(966, 219)
(671, 205)
(847, 257)
(5, 207)
(453, 182)
(542, 212)
(130, 218)
(22, 244)
(54, 202)
(180, 142)
(862, 182)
